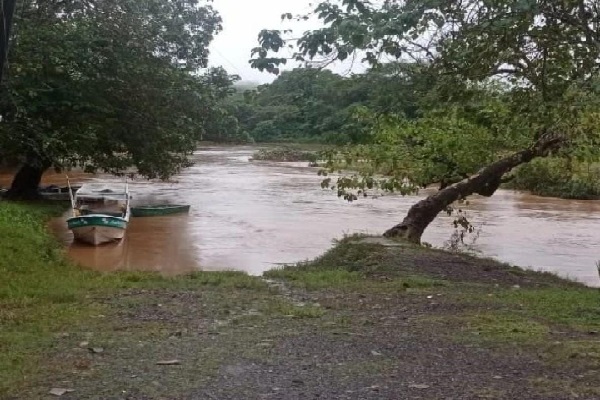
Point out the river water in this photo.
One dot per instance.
(254, 216)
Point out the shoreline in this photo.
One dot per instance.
(368, 319)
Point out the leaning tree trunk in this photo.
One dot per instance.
(484, 183)
(25, 184)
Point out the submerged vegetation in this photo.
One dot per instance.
(285, 154)
(558, 177)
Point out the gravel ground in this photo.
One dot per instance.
(285, 342)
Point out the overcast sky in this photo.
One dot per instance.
(242, 21)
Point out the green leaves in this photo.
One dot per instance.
(111, 86)
(542, 45)
(268, 40)
(445, 146)
(494, 75)
(318, 105)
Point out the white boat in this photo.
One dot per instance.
(100, 213)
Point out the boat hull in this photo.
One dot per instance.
(97, 229)
(157, 211)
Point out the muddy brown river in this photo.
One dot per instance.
(254, 216)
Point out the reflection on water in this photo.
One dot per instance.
(254, 216)
(159, 244)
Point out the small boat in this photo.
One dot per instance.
(100, 213)
(57, 193)
(159, 210)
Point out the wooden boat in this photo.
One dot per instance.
(100, 213)
(159, 210)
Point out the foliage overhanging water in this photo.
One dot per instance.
(254, 216)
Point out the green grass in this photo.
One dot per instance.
(587, 351)
(290, 310)
(527, 316)
(143, 280)
(315, 280)
(575, 307)
(39, 292)
(342, 279)
(560, 324)
(501, 328)
(42, 295)
(483, 312)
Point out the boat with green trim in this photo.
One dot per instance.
(100, 213)
(159, 210)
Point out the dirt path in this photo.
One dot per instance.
(359, 323)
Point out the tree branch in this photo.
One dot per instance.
(486, 182)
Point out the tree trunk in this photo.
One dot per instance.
(6, 18)
(484, 183)
(25, 184)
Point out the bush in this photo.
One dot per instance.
(557, 177)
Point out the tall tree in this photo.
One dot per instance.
(107, 86)
(547, 51)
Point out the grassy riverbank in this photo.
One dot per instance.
(369, 319)
(44, 299)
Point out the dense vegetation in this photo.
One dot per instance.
(558, 177)
(452, 88)
(511, 82)
(107, 86)
(314, 105)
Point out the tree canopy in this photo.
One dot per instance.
(110, 85)
(310, 104)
